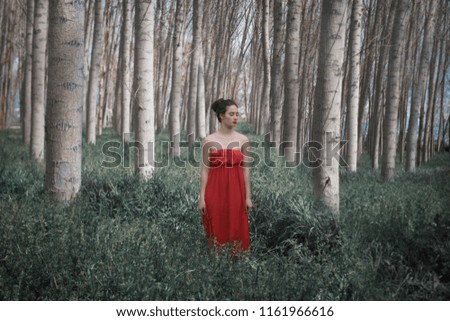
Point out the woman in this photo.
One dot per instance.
(225, 181)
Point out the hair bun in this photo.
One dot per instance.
(216, 106)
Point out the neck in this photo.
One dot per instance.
(225, 130)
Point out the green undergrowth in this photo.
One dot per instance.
(126, 239)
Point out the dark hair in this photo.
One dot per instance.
(220, 106)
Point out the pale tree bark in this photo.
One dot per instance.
(419, 91)
(393, 94)
(303, 63)
(126, 74)
(89, 31)
(291, 81)
(354, 88)
(143, 83)
(110, 66)
(12, 64)
(243, 49)
(4, 57)
(378, 97)
(407, 76)
(28, 74)
(444, 67)
(94, 74)
(201, 99)
(175, 96)
(366, 71)
(65, 99)
(327, 103)
(428, 136)
(265, 99)
(194, 73)
(276, 73)
(38, 79)
(164, 57)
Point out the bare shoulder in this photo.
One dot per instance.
(212, 141)
(210, 138)
(242, 138)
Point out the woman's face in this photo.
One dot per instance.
(230, 117)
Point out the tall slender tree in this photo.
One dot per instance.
(126, 72)
(420, 88)
(94, 74)
(38, 86)
(192, 114)
(393, 92)
(276, 72)
(354, 53)
(28, 74)
(327, 103)
(143, 83)
(291, 81)
(175, 96)
(65, 99)
(265, 99)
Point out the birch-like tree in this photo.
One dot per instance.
(175, 96)
(192, 114)
(354, 53)
(276, 84)
(291, 81)
(126, 75)
(28, 74)
(38, 86)
(419, 91)
(144, 106)
(393, 92)
(265, 99)
(94, 74)
(65, 99)
(327, 103)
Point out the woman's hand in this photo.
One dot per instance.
(202, 207)
(248, 205)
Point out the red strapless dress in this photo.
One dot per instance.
(226, 218)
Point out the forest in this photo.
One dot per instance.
(104, 105)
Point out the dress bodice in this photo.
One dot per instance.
(225, 157)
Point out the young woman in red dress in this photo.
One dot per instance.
(225, 182)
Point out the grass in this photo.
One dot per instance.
(124, 239)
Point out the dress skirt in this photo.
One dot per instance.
(226, 218)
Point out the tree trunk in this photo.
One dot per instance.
(445, 61)
(354, 88)
(201, 115)
(38, 79)
(419, 91)
(94, 74)
(192, 107)
(143, 84)
(175, 96)
(428, 136)
(265, 99)
(291, 81)
(28, 74)
(378, 102)
(393, 92)
(65, 99)
(327, 103)
(89, 31)
(276, 84)
(126, 74)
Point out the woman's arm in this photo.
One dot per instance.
(246, 169)
(204, 169)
